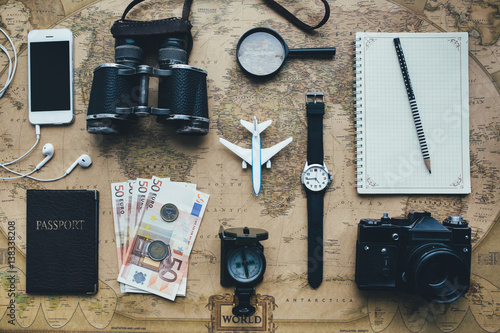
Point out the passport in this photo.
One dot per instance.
(62, 241)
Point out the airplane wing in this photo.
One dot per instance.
(244, 153)
(267, 153)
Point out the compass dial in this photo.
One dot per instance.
(316, 178)
(245, 264)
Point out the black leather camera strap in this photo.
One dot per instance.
(273, 4)
(292, 18)
(185, 10)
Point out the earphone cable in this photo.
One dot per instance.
(12, 68)
(4, 165)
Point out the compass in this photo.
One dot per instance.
(242, 264)
(246, 264)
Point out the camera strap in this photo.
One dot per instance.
(292, 18)
(185, 10)
(182, 25)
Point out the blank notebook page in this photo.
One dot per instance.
(389, 155)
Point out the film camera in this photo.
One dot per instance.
(416, 254)
(120, 91)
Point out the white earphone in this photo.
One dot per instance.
(84, 161)
(48, 149)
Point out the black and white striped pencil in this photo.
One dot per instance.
(413, 104)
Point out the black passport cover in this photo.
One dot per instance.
(62, 241)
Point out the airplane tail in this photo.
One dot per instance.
(254, 127)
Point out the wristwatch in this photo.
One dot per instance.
(315, 179)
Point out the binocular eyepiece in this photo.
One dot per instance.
(120, 90)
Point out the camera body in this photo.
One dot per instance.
(415, 254)
(120, 90)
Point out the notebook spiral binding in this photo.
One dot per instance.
(358, 111)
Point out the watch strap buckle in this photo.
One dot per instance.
(315, 104)
(314, 97)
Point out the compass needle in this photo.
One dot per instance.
(245, 262)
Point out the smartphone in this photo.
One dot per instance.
(50, 76)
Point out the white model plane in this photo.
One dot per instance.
(256, 156)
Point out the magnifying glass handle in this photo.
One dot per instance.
(324, 52)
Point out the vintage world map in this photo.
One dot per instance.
(154, 149)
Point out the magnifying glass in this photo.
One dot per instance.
(262, 51)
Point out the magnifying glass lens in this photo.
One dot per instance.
(261, 53)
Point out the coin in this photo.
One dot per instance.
(169, 212)
(157, 250)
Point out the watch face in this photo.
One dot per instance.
(316, 178)
(245, 264)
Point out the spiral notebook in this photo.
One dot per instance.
(389, 157)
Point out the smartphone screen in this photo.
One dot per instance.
(50, 87)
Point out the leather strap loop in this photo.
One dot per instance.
(129, 7)
(292, 18)
(185, 10)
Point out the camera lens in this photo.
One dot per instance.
(437, 273)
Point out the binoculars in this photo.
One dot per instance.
(120, 90)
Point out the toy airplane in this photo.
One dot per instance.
(256, 156)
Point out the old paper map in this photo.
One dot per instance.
(154, 149)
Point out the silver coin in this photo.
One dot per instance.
(169, 212)
(157, 250)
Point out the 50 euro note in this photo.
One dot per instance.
(138, 200)
(121, 201)
(153, 188)
(163, 277)
(184, 235)
(118, 200)
(150, 195)
(128, 204)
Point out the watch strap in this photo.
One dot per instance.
(315, 111)
(315, 238)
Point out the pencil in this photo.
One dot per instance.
(413, 105)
